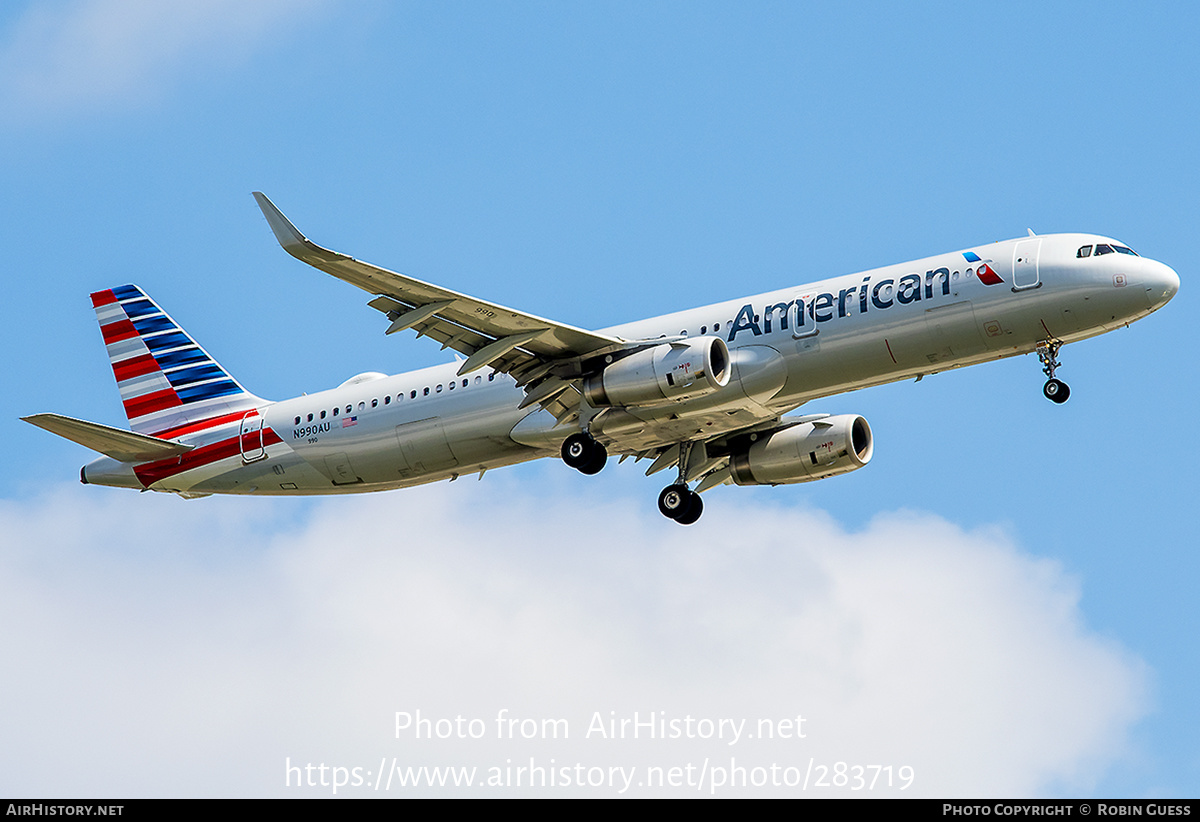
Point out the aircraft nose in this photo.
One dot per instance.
(1161, 283)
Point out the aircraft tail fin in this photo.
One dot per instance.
(167, 381)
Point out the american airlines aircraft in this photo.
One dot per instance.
(703, 392)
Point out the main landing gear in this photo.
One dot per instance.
(583, 453)
(681, 504)
(1055, 390)
(677, 501)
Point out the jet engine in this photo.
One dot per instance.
(807, 451)
(671, 372)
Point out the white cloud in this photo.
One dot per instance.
(93, 54)
(168, 647)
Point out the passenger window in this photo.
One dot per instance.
(478, 380)
(464, 383)
(374, 403)
(491, 376)
(322, 415)
(387, 400)
(310, 417)
(297, 421)
(362, 406)
(335, 412)
(452, 386)
(425, 392)
(413, 395)
(347, 409)
(1084, 251)
(439, 388)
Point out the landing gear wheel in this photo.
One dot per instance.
(673, 501)
(582, 452)
(1056, 391)
(679, 503)
(694, 510)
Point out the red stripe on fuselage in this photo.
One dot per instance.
(153, 472)
(120, 330)
(202, 425)
(149, 403)
(100, 298)
(135, 367)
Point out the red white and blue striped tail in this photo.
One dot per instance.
(167, 381)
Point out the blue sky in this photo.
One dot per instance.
(1003, 598)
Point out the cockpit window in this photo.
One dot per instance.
(1102, 248)
(1084, 251)
(1123, 250)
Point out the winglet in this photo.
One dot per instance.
(288, 235)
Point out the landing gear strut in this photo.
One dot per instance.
(583, 453)
(1055, 389)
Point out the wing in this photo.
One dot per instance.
(543, 355)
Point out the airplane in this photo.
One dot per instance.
(707, 392)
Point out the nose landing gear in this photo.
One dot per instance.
(1055, 389)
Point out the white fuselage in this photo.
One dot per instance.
(787, 347)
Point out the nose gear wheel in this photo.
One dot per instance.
(1055, 389)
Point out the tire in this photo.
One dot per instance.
(693, 511)
(1056, 391)
(673, 501)
(578, 451)
(596, 462)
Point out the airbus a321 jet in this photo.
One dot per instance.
(703, 392)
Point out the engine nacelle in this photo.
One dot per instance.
(804, 452)
(671, 372)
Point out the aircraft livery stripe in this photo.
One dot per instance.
(149, 325)
(153, 472)
(182, 356)
(120, 330)
(186, 376)
(207, 391)
(149, 403)
(140, 308)
(203, 425)
(103, 298)
(134, 367)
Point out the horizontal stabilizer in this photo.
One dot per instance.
(121, 445)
